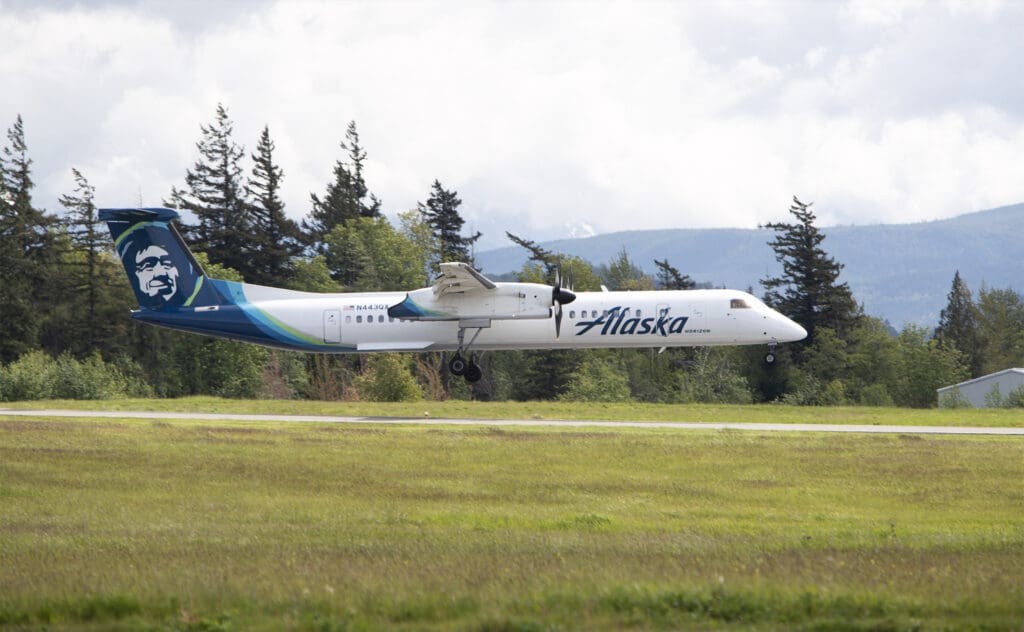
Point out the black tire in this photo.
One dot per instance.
(770, 358)
(473, 373)
(457, 365)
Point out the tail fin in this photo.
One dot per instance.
(162, 270)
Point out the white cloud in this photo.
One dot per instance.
(881, 13)
(542, 116)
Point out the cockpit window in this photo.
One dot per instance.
(738, 303)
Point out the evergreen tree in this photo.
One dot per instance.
(808, 291)
(275, 238)
(441, 212)
(670, 278)
(548, 259)
(88, 317)
(368, 254)
(1000, 329)
(29, 226)
(26, 251)
(82, 228)
(623, 274)
(345, 198)
(958, 324)
(216, 197)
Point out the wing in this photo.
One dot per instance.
(459, 278)
(461, 293)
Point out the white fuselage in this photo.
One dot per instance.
(360, 323)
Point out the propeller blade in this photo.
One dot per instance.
(560, 296)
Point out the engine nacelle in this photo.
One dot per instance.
(506, 301)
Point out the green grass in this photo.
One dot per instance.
(239, 526)
(767, 413)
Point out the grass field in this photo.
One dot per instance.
(205, 526)
(767, 413)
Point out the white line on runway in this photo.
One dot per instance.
(676, 425)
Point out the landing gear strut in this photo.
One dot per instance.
(458, 365)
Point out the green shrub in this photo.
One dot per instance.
(36, 375)
(388, 379)
(954, 399)
(876, 395)
(834, 394)
(32, 376)
(994, 398)
(804, 392)
(91, 378)
(1015, 398)
(597, 380)
(711, 379)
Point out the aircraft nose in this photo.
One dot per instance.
(794, 331)
(799, 332)
(785, 330)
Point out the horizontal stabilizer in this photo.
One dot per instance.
(134, 215)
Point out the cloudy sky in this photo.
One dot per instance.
(550, 119)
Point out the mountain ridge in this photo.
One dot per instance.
(900, 272)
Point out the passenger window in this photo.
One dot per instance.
(348, 319)
(738, 303)
(638, 313)
(390, 319)
(359, 319)
(572, 313)
(380, 319)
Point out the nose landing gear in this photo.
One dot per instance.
(769, 358)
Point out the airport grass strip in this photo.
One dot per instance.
(200, 525)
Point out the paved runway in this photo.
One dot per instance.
(675, 425)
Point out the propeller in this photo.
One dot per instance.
(560, 296)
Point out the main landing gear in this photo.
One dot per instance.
(769, 358)
(470, 370)
(458, 365)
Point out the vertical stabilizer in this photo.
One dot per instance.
(162, 271)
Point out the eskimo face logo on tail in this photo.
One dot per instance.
(158, 278)
(156, 273)
(618, 321)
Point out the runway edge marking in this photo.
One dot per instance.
(526, 423)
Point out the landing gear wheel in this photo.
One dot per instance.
(473, 373)
(457, 365)
(770, 358)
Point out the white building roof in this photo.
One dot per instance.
(983, 378)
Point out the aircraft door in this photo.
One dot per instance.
(725, 317)
(332, 326)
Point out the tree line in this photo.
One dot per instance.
(65, 331)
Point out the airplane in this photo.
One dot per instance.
(463, 311)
